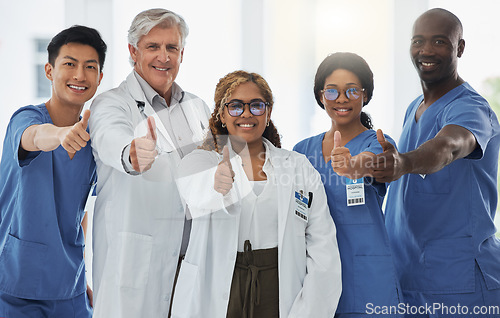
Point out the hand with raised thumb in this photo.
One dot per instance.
(224, 175)
(143, 149)
(386, 146)
(340, 156)
(387, 165)
(74, 138)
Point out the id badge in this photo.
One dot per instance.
(355, 190)
(301, 205)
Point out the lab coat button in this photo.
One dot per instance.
(167, 297)
(225, 296)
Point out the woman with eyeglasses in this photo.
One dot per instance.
(343, 155)
(262, 241)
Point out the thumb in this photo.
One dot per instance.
(382, 141)
(85, 118)
(151, 129)
(337, 139)
(225, 156)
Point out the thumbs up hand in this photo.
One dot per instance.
(73, 138)
(143, 149)
(224, 175)
(388, 164)
(340, 156)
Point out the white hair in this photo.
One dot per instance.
(147, 20)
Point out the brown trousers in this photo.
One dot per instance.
(255, 289)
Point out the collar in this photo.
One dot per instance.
(150, 93)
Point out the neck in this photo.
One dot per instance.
(167, 95)
(348, 132)
(252, 150)
(62, 114)
(433, 91)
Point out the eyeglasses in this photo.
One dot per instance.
(352, 93)
(236, 108)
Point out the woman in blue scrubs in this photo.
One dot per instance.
(343, 155)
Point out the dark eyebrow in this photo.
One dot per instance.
(73, 59)
(70, 58)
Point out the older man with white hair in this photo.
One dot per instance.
(140, 132)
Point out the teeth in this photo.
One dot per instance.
(246, 125)
(80, 88)
(427, 64)
(160, 69)
(341, 110)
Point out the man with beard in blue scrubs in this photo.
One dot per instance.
(440, 209)
(47, 170)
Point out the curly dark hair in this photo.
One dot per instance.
(217, 137)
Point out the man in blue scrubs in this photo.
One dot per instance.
(47, 170)
(440, 209)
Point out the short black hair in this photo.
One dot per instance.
(77, 34)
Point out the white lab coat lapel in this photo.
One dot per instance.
(285, 190)
(195, 120)
(137, 93)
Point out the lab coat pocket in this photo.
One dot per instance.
(374, 282)
(299, 225)
(185, 303)
(133, 259)
(23, 261)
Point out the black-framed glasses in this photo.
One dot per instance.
(352, 93)
(236, 108)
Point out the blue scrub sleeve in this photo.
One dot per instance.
(475, 115)
(22, 119)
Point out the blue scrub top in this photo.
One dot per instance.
(441, 223)
(42, 200)
(368, 274)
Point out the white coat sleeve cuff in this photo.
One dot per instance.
(127, 166)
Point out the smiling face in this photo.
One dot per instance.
(435, 47)
(75, 74)
(158, 57)
(343, 111)
(246, 126)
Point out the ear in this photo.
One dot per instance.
(270, 110)
(182, 54)
(461, 47)
(323, 100)
(133, 52)
(48, 71)
(100, 79)
(222, 116)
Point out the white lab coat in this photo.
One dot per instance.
(138, 220)
(308, 257)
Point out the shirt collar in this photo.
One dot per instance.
(150, 93)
